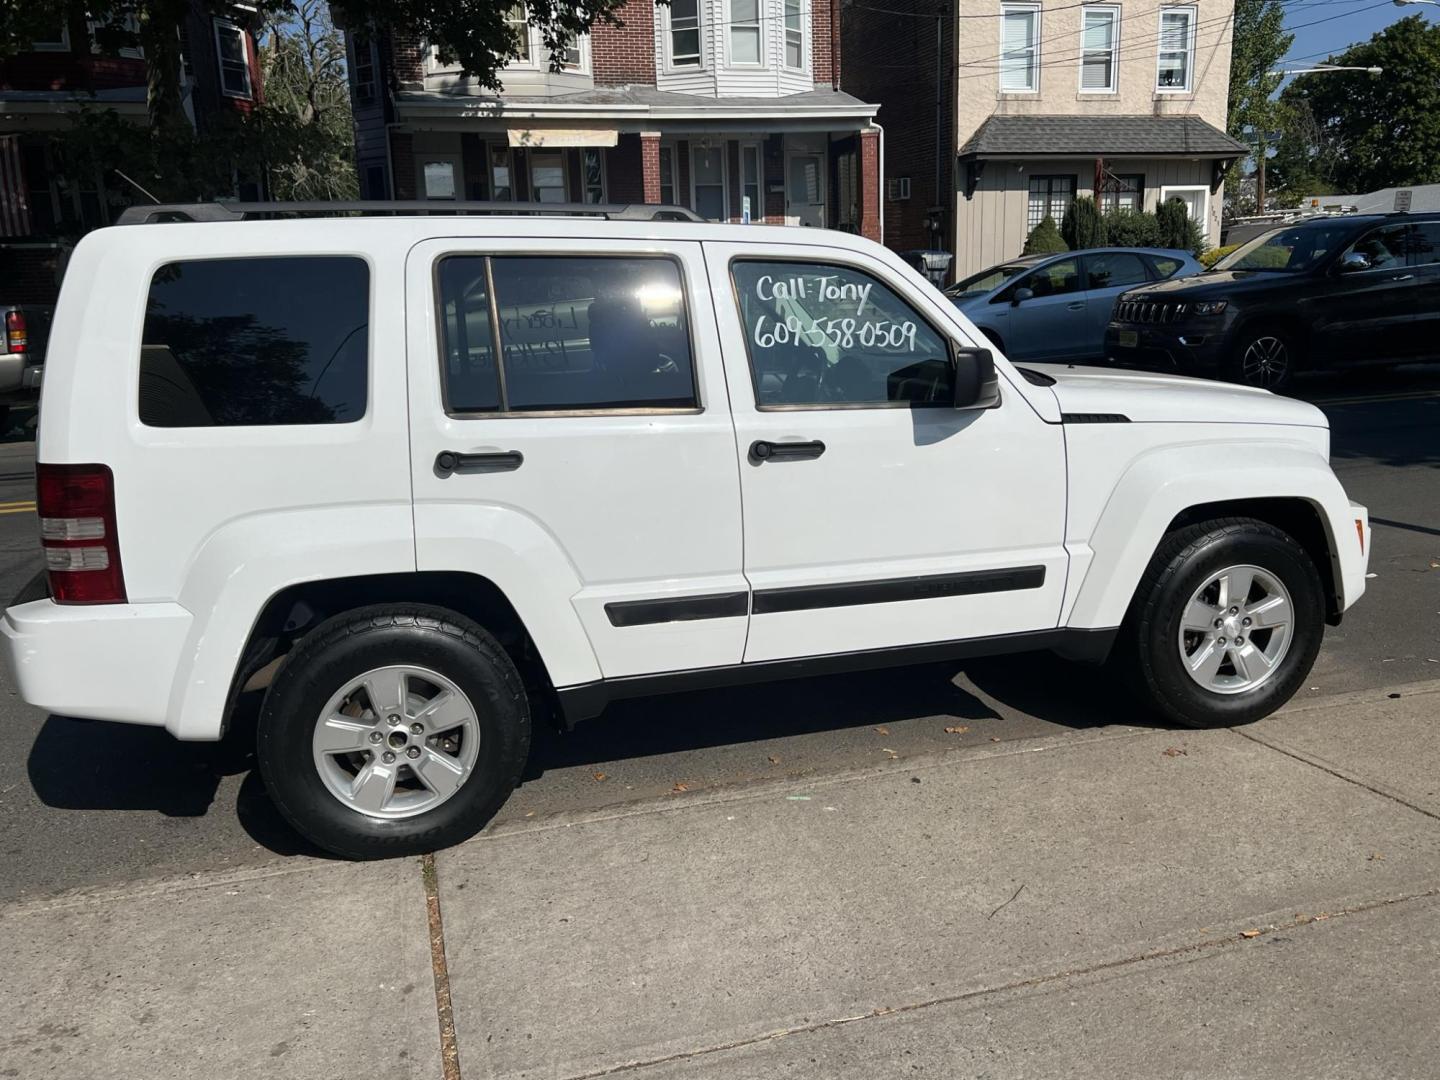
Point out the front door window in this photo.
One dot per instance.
(709, 168)
(805, 189)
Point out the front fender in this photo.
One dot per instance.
(1164, 482)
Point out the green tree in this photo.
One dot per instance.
(1045, 239)
(303, 127)
(1258, 44)
(1177, 229)
(1356, 132)
(1082, 226)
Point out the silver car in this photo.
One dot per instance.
(1055, 307)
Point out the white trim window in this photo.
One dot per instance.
(1019, 48)
(232, 54)
(1099, 49)
(746, 36)
(592, 168)
(1196, 198)
(519, 24)
(682, 38)
(1175, 66)
(502, 176)
(795, 34)
(547, 176)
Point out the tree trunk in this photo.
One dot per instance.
(160, 22)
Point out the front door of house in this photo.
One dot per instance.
(805, 189)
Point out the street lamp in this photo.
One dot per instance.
(1404, 3)
(1339, 67)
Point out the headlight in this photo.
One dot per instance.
(1208, 307)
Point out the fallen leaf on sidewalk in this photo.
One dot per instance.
(1249, 933)
(994, 738)
(681, 787)
(599, 776)
(1375, 857)
(914, 779)
(957, 730)
(887, 750)
(773, 760)
(882, 730)
(1175, 751)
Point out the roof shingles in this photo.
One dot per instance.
(1047, 136)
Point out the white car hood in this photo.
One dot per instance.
(1148, 397)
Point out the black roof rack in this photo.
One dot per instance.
(243, 211)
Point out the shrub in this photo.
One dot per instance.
(1131, 228)
(1045, 239)
(1083, 227)
(1214, 255)
(1177, 230)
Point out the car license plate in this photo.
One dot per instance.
(1129, 339)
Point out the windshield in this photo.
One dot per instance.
(1287, 250)
(984, 282)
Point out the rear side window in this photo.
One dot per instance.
(572, 334)
(1166, 266)
(256, 342)
(1113, 269)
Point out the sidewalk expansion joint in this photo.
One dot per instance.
(1243, 939)
(444, 1009)
(1318, 763)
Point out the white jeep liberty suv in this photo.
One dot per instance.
(416, 476)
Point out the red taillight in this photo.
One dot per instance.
(77, 532)
(16, 336)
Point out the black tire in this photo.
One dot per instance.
(1264, 357)
(344, 648)
(1148, 651)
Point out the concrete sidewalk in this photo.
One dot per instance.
(1116, 902)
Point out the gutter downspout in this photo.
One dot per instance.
(880, 189)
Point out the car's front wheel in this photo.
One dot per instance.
(1225, 624)
(393, 731)
(1263, 358)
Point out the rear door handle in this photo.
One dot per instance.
(1403, 277)
(449, 461)
(1076, 305)
(761, 450)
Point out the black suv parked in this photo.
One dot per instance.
(1322, 293)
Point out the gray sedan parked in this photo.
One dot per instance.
(1055, 307)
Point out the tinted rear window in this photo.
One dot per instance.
(231, 342)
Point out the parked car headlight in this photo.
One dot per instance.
(1208, 307)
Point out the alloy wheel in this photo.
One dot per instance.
(1266, 362)
(396, 742)
(1236, 629)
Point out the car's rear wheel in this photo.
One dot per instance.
(1263, 358)
(1225, 625)
(392, 731)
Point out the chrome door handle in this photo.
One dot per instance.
(1076, 305)
(449, 461)
(1403, 277)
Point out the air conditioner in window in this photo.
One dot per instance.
(898, 188)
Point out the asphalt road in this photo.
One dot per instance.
(86, 804)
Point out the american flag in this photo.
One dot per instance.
(14, 211)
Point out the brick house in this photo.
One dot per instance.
(729, 107)
(44, 89)
(1010, 109)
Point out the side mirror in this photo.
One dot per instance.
(1353, 261)
(976, 385)
(1020, 295)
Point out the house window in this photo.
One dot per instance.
(685, 33)
(745, 32)
(1099, 46)
(751, 209)
(1049, 197)
(500, 184)
(547, 176)
(1019, 48)
(232, 48)
(1123, 192)
(374, 186)
(438, 178)
(1177, 49)
(794, 34)
(520, 27)
(707, 171)
(667, 175)
(55, 38)
(592, 158)
(364, 71)
(570, 57)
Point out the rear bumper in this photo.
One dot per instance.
(100, 662)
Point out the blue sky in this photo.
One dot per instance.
(1345, 23)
